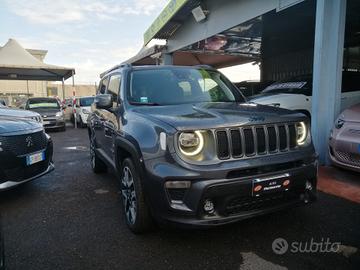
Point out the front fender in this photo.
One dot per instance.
(145, 134)
(130, 146)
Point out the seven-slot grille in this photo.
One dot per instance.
(255, 140)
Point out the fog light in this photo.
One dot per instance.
(209, 207)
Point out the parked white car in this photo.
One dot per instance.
(296, 94)
(83, 108)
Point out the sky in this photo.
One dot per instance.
(89, 35)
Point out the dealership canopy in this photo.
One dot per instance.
(16, 63)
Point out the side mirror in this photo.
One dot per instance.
(103, 101)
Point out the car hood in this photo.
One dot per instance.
(215, 115)
(13, 125)
(351, 114)
(47, 111)
(17, 112)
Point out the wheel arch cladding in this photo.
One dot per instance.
(126, 149)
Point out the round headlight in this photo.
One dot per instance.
(301, 133)
(191, 143)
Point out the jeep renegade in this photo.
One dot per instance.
(189, 149)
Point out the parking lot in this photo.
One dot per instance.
(72, 219)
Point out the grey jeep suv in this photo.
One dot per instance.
(189, 149)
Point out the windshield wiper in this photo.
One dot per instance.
(144, 103)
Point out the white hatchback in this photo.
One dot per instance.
(83, 108)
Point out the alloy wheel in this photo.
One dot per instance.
(129, 195)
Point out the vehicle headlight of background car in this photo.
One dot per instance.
(59, 114)
(339, 123)
(37, 118)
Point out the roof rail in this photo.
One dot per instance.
(115, 67)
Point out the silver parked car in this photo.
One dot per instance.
(344, 144)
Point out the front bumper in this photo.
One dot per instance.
(84, 117)
(11, 184)
(344, 149)
(230, 189)
(14, 171)
(53, 123)
(344, 160)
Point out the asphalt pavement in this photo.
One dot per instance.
(72, 219)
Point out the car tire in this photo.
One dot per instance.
(82, 124)
(136, 211)
(97, 165)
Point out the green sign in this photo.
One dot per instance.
(168, 12)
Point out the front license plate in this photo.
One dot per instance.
(34, 158)
(271, 184)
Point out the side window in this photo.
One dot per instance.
(114, 86)
(103, 84)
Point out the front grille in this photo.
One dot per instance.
(246, 203)
(348, 158)
(222, 144)
(19, 144)
(257, 140)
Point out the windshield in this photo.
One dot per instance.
(169, 86)
(43, 103)
(86, 102)
(296, 87)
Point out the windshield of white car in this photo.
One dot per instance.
(86, 102)
(170, 86)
